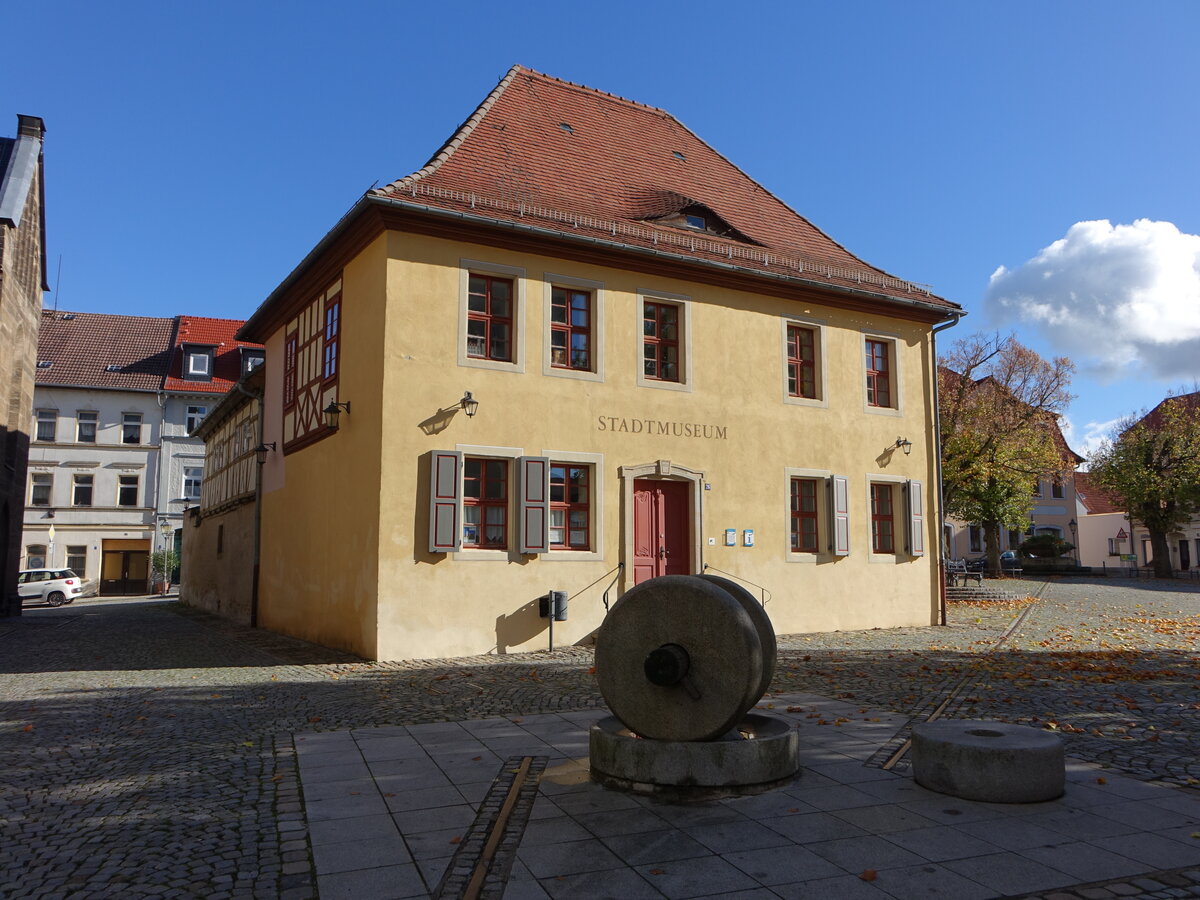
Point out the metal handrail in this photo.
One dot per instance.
(766, 595)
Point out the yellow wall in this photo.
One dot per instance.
(441, 605)
(320, 516)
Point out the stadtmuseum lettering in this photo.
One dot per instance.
(658, 426)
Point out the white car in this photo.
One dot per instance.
(53, 586)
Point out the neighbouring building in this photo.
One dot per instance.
(221, 546)
(578, 349)
(22, 283)
(111, 465)
(1104, 530)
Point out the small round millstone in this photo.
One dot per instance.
(679, 658)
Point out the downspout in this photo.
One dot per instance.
(258, 467)
(937, 443)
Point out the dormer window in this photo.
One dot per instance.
(695, 221)
(251, 359)
(197, 362)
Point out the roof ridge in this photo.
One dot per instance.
(456, 139)
(59, 313)
(591, 90)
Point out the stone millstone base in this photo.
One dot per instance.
(694, 770)
(989, 761)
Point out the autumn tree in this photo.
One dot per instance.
(999, 403)
(1153, 466)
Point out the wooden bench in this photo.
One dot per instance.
(957, 569)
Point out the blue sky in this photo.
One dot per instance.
(196, 151)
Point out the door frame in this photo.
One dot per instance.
(661, 470)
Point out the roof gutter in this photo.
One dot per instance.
(245, 333)
(937, 444)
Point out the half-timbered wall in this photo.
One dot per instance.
(310, 381)
(230, 461)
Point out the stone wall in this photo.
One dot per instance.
(218, 562)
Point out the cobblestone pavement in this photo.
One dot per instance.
(145, 748)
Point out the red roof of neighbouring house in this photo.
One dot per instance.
(104, 351)
(227, 355)
(1153, 419)
(1095, 498)
(574, 160)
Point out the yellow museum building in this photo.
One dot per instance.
(578, 349)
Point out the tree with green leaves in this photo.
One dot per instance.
(1152, 465)
(998, 404)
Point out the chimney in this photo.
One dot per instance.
(30, 126)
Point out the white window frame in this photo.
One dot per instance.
(75, 485)
(595, 461)
(49, 492)
(199, 413)
(824, 524)
(205, 370)
(467, 267)
(685, 382)
(125, 423)
(895, 374)
(817, 325)
(41, 416)
(137, 490)
(199, 483)
(974, 531)
(80, 415)
(596, 288)
(511, 454)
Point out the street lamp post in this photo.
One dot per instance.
(1074, 526)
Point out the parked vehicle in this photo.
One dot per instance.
(52, 586)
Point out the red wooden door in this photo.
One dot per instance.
(660, 529)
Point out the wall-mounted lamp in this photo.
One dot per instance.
(262, 450)
(905, 444)
(469, 404)
(333, 411)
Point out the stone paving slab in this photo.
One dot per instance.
(819, 834)
(147, 749)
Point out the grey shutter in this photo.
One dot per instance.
(534, 508)
(840, 507)
(916, 518)
(445, 501)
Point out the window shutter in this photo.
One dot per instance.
(535, 503)
(916, 518)
(445, 501)
(840, 503)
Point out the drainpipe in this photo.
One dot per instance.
(937, 443)
(258, 467)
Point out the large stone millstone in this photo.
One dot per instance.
(990, 761)
(682, 658)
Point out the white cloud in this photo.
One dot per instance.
(1083, 440)
(1111, 296)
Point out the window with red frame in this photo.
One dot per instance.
(570, 491)
(289, 371)
(801, 362)
(485, 503)
(333, 312)
(660, 341)
(883, 526)
(804, 515)
(489, 318)
(879, 387)
(570, 328)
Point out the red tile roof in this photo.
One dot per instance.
(80, 348)
(145, 352)
(227, 362)
(615, 164)
(1153, 419)
(1094, 497)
